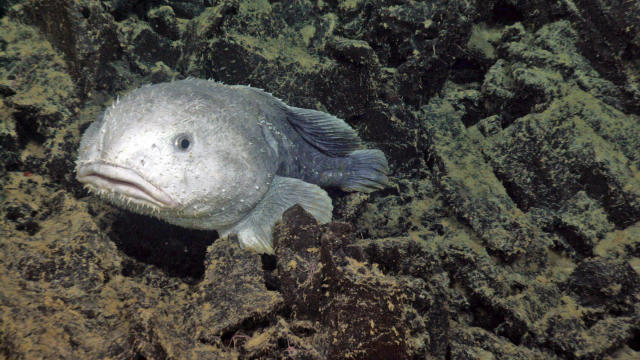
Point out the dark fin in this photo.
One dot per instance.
(255, 230)
(327, 133)
(368, 171)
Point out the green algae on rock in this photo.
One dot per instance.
(511, 229)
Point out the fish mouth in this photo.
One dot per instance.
(105, 177)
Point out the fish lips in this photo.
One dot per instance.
(125, 181)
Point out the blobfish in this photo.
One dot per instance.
(204, 155)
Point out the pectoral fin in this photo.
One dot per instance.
(255, 230)
(327, 133)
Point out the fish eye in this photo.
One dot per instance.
(183, 142)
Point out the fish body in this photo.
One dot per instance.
(204, 155)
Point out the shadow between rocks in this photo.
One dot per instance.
(177, 251)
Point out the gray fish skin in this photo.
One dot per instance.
(204, 155)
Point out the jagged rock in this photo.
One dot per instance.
(510, 230)
(359, 308)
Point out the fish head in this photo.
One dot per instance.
(173, 154)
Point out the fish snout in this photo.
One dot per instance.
(128, 183)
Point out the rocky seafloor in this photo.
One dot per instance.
(511, 229)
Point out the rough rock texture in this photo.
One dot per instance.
(511, 229)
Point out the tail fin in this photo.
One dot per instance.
(368, 171)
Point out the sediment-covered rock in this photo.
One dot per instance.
(510, 230)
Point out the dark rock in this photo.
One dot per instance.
(407, 37)
(232, 293)
(161, 73)
(5, 5)
(8, 144)
(603, 282)
(146, 46)
(163, 21)
(606, 35)
(83, 31)
(355, 51)
(583, 224)
(190, 8)
(580, 169)
(6, 90)
(321, 282)
(473, 343)
(511, 228)
(570, 337)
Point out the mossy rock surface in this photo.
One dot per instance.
(511, 229)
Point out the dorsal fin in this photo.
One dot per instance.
(327, 133)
